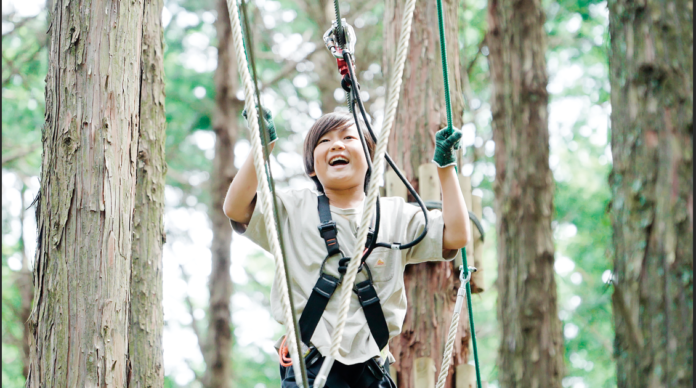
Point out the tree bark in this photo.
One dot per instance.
(145, 352)
(83, 262)
(651, 74)
(23, 280)
(531, 349)
(431, 287)
(226, 115)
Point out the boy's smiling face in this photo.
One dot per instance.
(339, 160)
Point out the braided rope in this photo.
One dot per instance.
(447, 357)
(264, 199)
(393, 102)
(464, 278)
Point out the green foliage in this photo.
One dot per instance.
(577, 63)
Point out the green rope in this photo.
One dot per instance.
(471, 318)
(339, 25)
(443, 54)
(448, 105)
(248, 52)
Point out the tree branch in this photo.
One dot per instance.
(22, 152)
(285, 71)
(17, 25)
(476, 56)
(194, 322)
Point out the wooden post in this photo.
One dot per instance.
(477, 277)
(465, 185)
(424, 373)
(394, 186)
(428, 182)
(465, 376)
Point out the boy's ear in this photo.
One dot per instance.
(312, 174)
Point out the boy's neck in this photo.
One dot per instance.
(351, 198)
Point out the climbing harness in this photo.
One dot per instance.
(327, 284)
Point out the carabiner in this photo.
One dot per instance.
(331, 40)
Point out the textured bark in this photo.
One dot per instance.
(218, 345)
(145, 352)
(531, 349)
(84, 215)
(23, 280)
(651, 74)
(431, 287)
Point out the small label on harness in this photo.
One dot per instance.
(380, 263)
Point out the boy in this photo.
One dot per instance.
(335, 161)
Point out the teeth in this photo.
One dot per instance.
(336, 159)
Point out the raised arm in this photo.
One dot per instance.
(454, 212)
(239, 201)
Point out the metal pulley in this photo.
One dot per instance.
(333, 44)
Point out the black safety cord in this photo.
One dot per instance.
(374, 244)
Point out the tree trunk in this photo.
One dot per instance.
(651, 74)
(85, 210)
(227, 111)
(145, 352)
(431, 287)
(531, 349)
(23, 280)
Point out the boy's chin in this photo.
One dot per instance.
(341, 184)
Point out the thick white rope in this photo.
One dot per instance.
(378, 167)
(264, 198)
(447, 357)
(452, 335)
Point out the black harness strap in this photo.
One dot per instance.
(316, 304)
(367, 295)
(327, 227)
(327, 284)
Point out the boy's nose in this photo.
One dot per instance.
(338, 145)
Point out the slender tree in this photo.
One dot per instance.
(651, 74)
(145, 352)
(225, 119)
(430, 287)
(82, 271)
(531, 346)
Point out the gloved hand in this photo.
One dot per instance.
(268, 120)
(446, 143)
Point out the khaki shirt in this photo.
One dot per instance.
(305, 251)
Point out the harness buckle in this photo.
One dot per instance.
(326, 227)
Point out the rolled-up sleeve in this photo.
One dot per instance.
(430, 248)
(255, 230)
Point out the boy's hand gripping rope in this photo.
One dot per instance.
(381, 149)
(264, 199)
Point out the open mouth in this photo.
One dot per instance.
(338, 161)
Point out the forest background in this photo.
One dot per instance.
(292, 62)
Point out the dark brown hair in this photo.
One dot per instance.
(326, 124)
